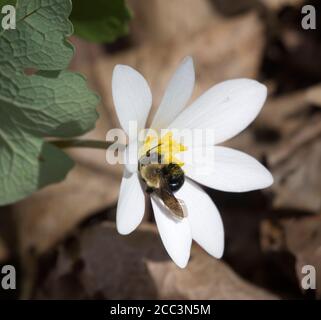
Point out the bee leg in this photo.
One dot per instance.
(149, 190)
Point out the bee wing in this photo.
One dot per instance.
(174, 205)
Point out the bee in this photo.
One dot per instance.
(163, 180)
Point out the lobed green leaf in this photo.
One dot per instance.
(51, 102)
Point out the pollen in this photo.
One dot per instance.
(166, 146)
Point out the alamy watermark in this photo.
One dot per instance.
(8, 277)
(308, 281)
(8, 17)
(193, 146)
(309, 17)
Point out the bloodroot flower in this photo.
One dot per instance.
(165, 169)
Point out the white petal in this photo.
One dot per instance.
(175, 234)
(131, 156)
(204, 218)
(131, 204)
(132, 96)
(177, 94)
(227, 108)
(226, 169)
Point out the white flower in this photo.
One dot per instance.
(228, 108)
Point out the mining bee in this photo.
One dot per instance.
(163, 180)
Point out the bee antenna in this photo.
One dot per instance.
(148, 151)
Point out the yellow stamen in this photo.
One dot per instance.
(166, 146)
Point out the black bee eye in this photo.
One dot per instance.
(175, 182)
(175, 177)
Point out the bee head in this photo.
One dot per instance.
(174, 176)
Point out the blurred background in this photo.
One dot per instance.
(62, 239)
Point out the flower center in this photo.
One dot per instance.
(166, 147)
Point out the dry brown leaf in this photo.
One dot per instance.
(232, 7)
(314, 95)
(302, 238)
(298, 180)
(48, 215)
(278, 4)
(205, 278)
(99, 262)
(159, 20)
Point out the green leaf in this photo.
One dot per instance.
(97, 20)
(5, 2)
(100, 20)
(51, 102)
(28, 163)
